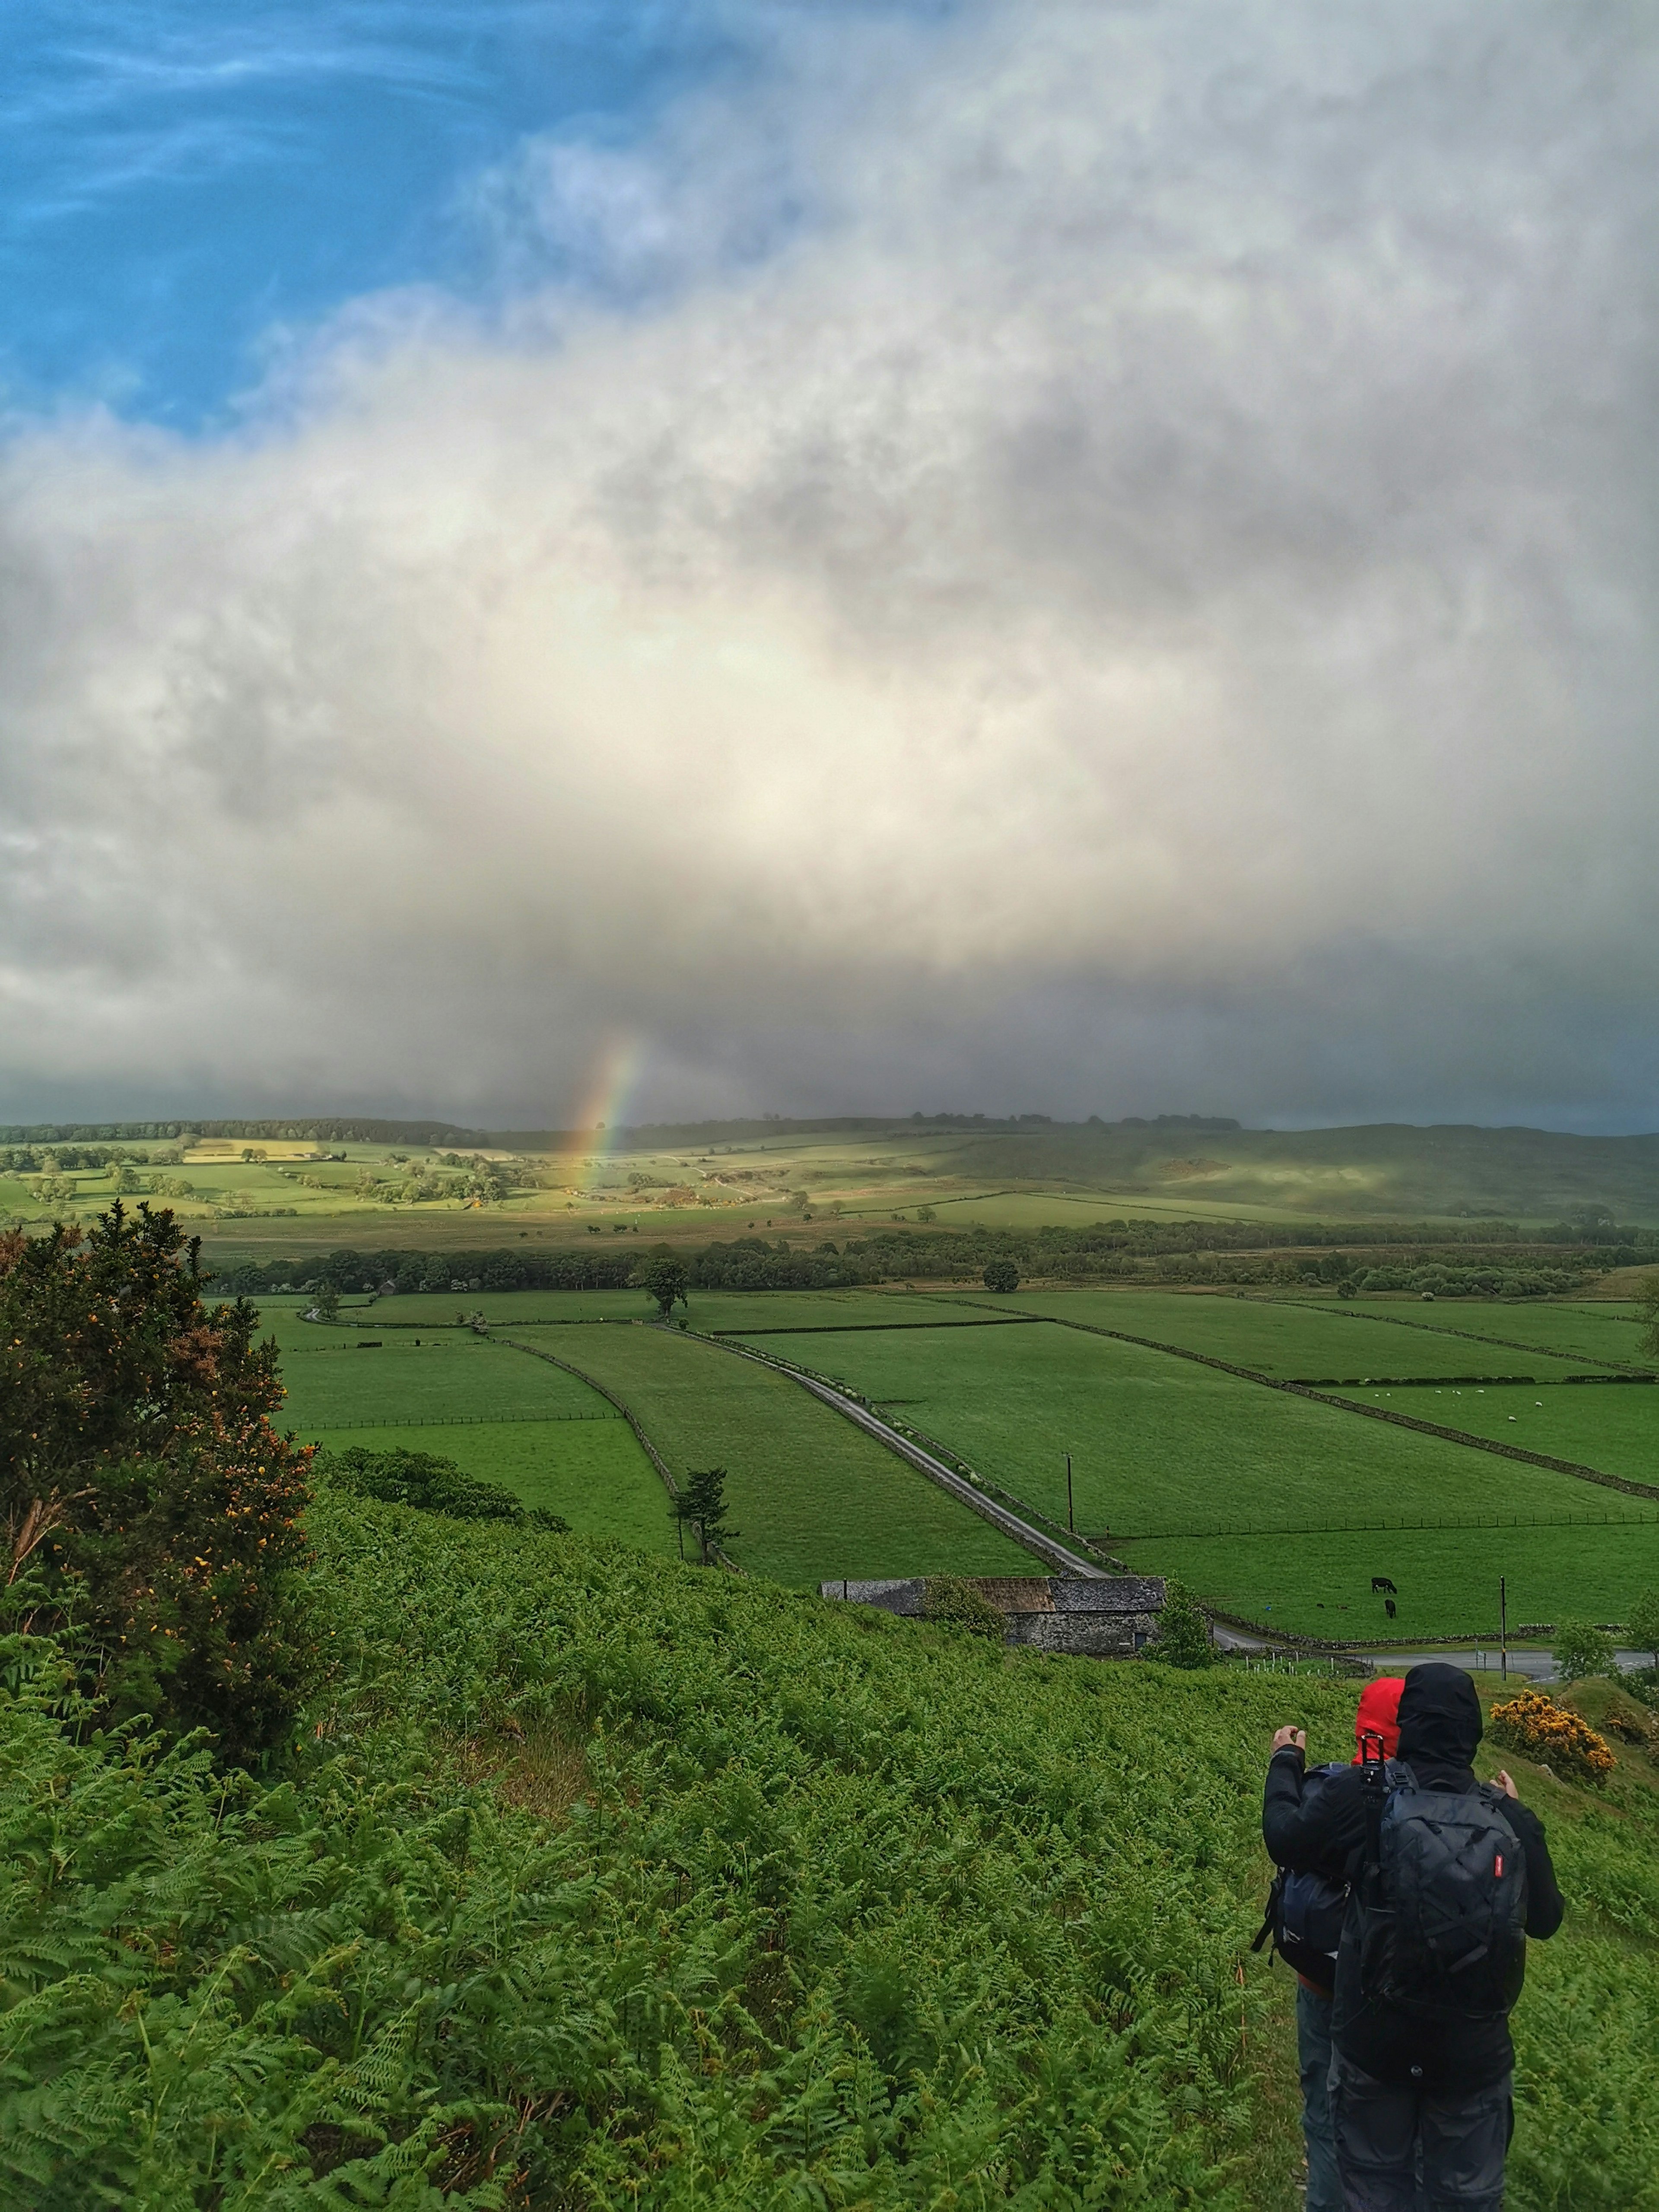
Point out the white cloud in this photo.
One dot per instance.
(1083, 551)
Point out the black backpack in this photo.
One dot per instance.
(1305, 1913)
(1440, 1905)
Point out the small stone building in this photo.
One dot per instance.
(1095, 1617)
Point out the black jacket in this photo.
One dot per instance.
(1439, 1728)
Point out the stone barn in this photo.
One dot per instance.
(1095, 1617)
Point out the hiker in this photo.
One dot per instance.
(1305, 1919)
(1447, 1878)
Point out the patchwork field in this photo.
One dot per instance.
(814, 1496)
(1269, 1503)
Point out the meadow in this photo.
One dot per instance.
(452, 1376)
(592, 1474)
(596, 1880)
(1607, 1335)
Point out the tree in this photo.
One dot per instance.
(665, 1280)
(1183, 1632)
(700, 1504)
(1645, 1625)
(1647, 1298)
(1582, 1649)
(959, 1604)
(1001, 1275)
(145, 1493)
(325, 1302)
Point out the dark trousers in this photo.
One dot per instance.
(1403, 2150)
(1313, 2051)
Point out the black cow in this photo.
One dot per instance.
(1389, 1607)
(1382, 1583)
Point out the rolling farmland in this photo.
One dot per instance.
(1279, 1507)
(812, 1496)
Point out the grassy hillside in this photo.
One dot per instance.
(604, 1882)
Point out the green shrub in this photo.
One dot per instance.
(1582, 1649)
(431, 1485)
(1184, 1631)
(951, 1599)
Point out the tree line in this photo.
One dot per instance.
(1169, 1252)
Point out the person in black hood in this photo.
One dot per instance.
(1410, 2094)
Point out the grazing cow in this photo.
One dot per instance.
(1381, 1583)
(1389, 1607)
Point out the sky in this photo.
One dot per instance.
(836, 555)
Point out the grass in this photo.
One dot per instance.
(1281, 1340)
(1611, 1333)
(1320, 1585)
(813, 1496)
(454, 1377)
(1613, 1426)
(439, 1308)
(592, 1473)
(1160, 1445)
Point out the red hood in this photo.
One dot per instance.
(1379, 1713)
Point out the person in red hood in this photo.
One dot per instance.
(1307, 1912)
(1379, 1715)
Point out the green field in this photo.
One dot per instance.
(441, 1309)
(1612, 1426)
(593, 1473)
(1282, 1339)
(455, 1376)
(813, 1496)
(1320, 1585)
(1161, 1447)
(1610, 1333)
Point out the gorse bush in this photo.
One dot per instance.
(144, 1487)
(1539, 1728)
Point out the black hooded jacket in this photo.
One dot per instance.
(1440, 1726)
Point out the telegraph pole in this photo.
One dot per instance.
(1071, 1517)
(1503, 1628)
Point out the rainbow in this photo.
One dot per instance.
(606, 1095)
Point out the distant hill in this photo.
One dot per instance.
(1384, 1171)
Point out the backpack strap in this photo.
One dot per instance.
(1374, 1784)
